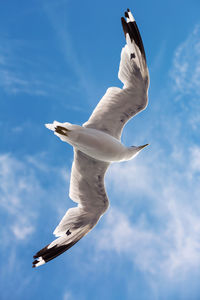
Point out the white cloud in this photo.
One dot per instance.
(169, 251)
(19, 74)
(195, 158)
(130, 177)
(124, 237)
(21, 192)
(27, 185)
(17, 187)
(156, 223)
(182, 233)
(14, 81)
(67, 296)
(186, 65)
(70, 56)
(167, 186)
(21, 231)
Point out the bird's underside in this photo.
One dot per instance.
(109, 117)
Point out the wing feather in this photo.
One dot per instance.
(119, 105)
(87, 189)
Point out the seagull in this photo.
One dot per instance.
(97, 143)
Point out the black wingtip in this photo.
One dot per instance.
(137, 37)
(128, 9)
(124, 26)
(42, 252)
(48, 254)
(34, 263)
(133, 31)
(126, 14)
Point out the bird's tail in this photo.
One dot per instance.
(133, 56)
(62, 130)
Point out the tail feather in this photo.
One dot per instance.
(55, 124)
(60, 129)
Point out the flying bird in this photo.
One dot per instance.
(97, 143)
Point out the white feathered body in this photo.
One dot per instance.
(95, 143)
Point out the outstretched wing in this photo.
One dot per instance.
(119, 105)
(87, 189)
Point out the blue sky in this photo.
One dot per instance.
(57, 58)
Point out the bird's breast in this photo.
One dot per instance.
(98, 144)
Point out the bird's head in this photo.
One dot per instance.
(134, 150)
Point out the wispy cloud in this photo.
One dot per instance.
(26, 185)
(67, 296)
(14, 83)
(169, 251)
(20, 74)
(84, 81)
(186, 65)
(157, 226)
(16, 186)
(163, 188)
(195, 159)
(21, 191)
(15, 72)
(170, 248)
